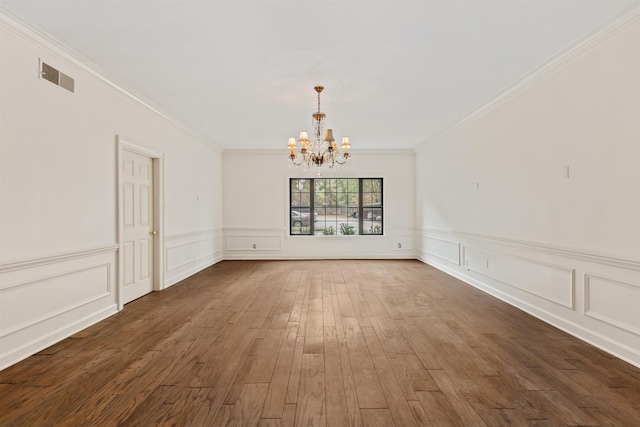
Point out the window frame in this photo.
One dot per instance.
(312, 208)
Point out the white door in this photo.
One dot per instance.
(138, 232)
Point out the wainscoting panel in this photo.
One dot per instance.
(188, 253)
(613, 302)
(52, 295)
(44, 300)
(554, 283)
(276, 243)
(441, 248)
(255, 242)
(595, 297)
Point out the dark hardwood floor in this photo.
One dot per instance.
(312, 343)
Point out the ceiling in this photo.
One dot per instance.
(241, 73)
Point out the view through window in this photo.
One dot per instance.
(335, 206)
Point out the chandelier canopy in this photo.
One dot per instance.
(321, 151)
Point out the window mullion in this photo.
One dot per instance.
(312, 203)
(360, 209)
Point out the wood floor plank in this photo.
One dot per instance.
(294, 374)
(337, 414)
(350, 392)
(344, 301)
(246, 411)
(314, 333)
(454, 393)
(275, 399)
(269, 422)
(311, 407)
(266, 357)
(419, 343)
(328, 318)
(289, 415)
(367, 383)
(438, 409)
(419, 414)
(233, 394)
(222, 418)
(377, 418)
(340, 342)
(398, 406)
(336, 315)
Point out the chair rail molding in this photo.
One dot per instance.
(55, 258)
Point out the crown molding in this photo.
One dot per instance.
(552, 65)
(33, 35)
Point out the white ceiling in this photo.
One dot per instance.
(241, 73)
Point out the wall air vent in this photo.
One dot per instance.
(49, 73)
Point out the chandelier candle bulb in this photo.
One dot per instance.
(319, 151)
(304, 137)
(345, 145)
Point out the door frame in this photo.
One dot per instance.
(157, 157)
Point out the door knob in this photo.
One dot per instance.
(153, 232)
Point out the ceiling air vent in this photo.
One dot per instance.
(49, 73)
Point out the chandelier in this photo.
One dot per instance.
(321, 150)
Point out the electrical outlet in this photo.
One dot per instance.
(399, 245)
(254, 246)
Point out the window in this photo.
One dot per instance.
(335, 206)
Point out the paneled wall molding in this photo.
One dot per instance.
(552, 65)
(518, 272)
(55, 258)
(32, 35)
(253, 242)
(28, 346)
(604, 339)
(276, 243)
(626, 317)
(108, 275)
(453, 255)
(196, 260)
(190, 252)
(592, 296)
(579, 254)
(46, 299)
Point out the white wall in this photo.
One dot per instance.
(497, 209)
(256, 203)
(58, 204)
